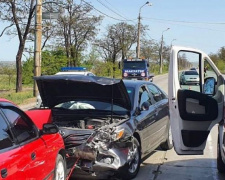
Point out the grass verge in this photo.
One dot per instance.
(20, 97)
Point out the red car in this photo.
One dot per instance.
(30, 146)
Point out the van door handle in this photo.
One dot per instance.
(4, 172)
(33, 156)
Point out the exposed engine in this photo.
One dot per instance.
(94, 139)
(83, 123)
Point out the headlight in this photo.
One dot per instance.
(125, 74)
(142, 74)
(118, 134)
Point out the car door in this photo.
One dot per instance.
(161, 113)
(33, 154)
(146, 119)
(9, 153)
(193, 111)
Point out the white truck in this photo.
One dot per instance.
(195, 109)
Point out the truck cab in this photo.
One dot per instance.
(136, 69)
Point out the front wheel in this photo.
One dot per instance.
(220, 163)
(130, 170)
(60, 168)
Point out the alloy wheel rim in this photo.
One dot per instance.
(134, 158)
(60, 171)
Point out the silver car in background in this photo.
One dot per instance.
(189, 77)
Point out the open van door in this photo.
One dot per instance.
(196, 99)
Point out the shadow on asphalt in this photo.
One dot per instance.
(188, 169)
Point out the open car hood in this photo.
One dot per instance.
(58, 89)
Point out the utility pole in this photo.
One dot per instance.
(161, 53)
(139, 31)
(138, 37)
(37, 43)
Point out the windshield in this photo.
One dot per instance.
(89, 105)
(130, 91)
(134, 65)
(95, 105)
(191, 73)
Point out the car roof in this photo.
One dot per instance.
(4, 100)
(135, 83)
(189, 71)
(73, 73)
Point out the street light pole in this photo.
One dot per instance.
(37, 43)
(172, 42)
(139, 31)
(161, 52)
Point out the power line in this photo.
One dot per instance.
(112, 10)
(193, 26)
(103, 12)
(189, 22)
(115, 8)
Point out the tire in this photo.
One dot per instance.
(60, 168)
(130, 170)
(220, 163)
(181, 82)
(168, 144)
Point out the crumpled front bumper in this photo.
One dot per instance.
(99, 160)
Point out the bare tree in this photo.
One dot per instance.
(109, 46)
(150, 50)
(118, 41)
(18, 15)
(127, 35)
(77, 27)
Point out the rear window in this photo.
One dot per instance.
(191, 73)
(134, 65)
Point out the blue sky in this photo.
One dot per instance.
(194, 23)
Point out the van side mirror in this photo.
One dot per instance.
(209, 86)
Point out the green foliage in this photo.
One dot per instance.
(7, 77)
(219, 59)
(221, 65)
(52, 61)
(154, 68)
(106, 69)
(28, 71)
(4, 85)
(17, 98)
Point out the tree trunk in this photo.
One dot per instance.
(123, 55)
(19, 69)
